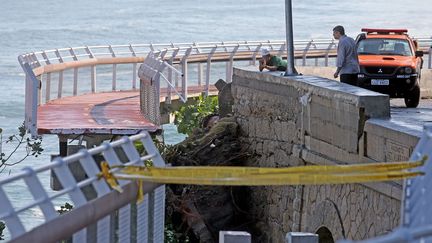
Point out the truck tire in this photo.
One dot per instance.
(412, 98)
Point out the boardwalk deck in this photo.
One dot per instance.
(100, 113)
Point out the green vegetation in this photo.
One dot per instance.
(189, 117)
(172, 236)
(33, 147)
(67, 207)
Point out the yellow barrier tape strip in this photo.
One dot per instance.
(224, 179)
(258, 176)
(235, 171)
(109, 178)
(271, 176)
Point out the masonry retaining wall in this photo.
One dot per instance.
(310, 120)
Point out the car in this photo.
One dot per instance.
(390, 63)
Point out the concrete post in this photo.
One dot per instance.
(234, 237)
(301, 237)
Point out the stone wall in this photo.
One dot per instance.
(352, 211)
(310, 120)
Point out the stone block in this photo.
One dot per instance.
(375, 146)
(234, 237)
(288, 131)
(301, 237)
(330, 151)
(396, 151)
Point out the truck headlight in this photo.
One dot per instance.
(408, 70)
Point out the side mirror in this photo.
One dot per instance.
(419, 53)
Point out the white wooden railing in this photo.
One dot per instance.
(76, 69)
(149, 215)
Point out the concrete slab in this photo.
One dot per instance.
(407, 120)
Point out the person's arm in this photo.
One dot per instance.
(262, 64)
(340, 61)
(271, 68)
(336, 74)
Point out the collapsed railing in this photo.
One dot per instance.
(142, 222)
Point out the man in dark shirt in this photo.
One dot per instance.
(347, 59)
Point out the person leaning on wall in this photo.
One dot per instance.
(271, 62)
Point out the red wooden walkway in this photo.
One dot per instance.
(115, 112)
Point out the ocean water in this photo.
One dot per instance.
(35, 25)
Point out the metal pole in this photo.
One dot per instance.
(289, 39)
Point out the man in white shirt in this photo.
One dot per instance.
(347, 59)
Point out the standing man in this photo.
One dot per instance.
(347, 59)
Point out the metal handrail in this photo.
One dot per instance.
(9, 212)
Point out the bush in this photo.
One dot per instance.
(190, 116)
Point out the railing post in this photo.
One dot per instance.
(230, 64)
(60, 81)
(93, 70)
(305, 52)
(208, 70)
(114, 70)
(327, 53)
(282, 49)
(184, 64)
(48, 87)
(163, 54)
(199, 65)
(34, 60)
(33, 99)
(48, 80)
(75, 77)
(270, 45)
(257, 49)
(170, 75)
(134, 74)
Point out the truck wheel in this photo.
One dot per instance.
(412, 98)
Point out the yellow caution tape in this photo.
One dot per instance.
(223, 178)
(258, 176)
(109, 178)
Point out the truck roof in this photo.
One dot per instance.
(380, 36)
(385, 31)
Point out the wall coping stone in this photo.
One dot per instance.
(376, 105)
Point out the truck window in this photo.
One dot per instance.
(375, 46)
